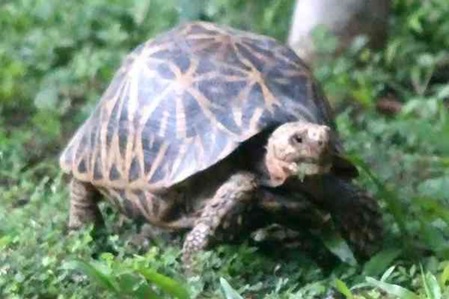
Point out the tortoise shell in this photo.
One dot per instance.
(185, 100)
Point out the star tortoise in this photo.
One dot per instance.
(215, 131)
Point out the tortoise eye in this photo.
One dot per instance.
(296, 139)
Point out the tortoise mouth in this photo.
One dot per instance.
(322, 160)
(313, 166)
(312, 160)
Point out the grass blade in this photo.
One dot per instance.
(94, 272)
(378, 263)
(135, 286)
(228, 290)
(167, 284)
(387, 273)
(444, 278)
(343, 288)
(338, 246)
(392, 289)
(431, 286)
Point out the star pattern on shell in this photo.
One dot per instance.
(185, 100)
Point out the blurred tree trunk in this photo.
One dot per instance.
(346, 19)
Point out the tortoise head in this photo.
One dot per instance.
(298, 149)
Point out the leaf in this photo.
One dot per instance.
(387, 273)
(392, 50)
(343, 288)
(228, 291)
(46, 98)
(167, 284)
(392, 289)
(433, 290)
(414, 22)
(338, 246)
(5, 241)
(444, 278)
(443, 92)
(95, 273)
(433, 237)
(191, 9)
(435, 188)
(140, 10)
(378, 263)
(135, 286)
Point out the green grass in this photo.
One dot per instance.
(57, 57)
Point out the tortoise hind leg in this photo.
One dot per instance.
(238, 189)
(83, 205)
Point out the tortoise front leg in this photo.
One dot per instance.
(238, 189)
(356, 213)
(295, 210)
(83, 205)
(297, 219)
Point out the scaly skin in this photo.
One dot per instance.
(238, 189)
(83, 205)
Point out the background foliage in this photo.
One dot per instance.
(57, 57)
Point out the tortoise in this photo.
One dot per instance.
(215, 131)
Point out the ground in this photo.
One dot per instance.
(392, 112)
